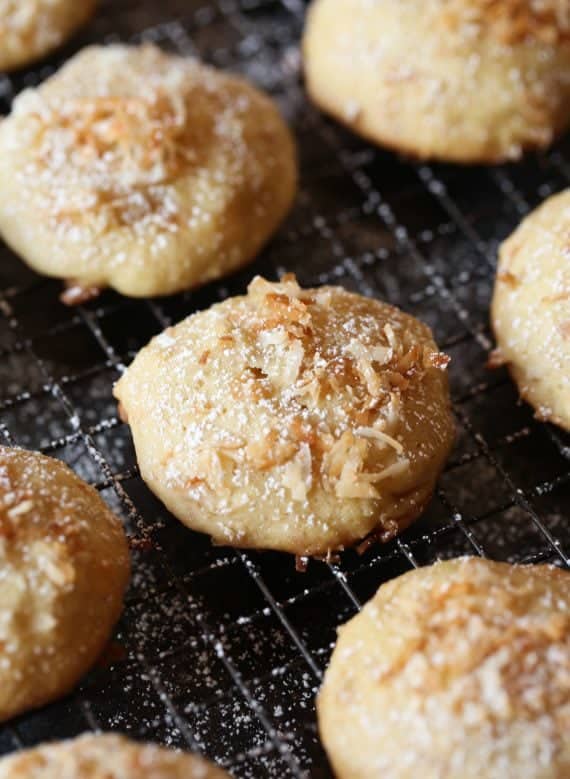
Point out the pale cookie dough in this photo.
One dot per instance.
(106, 757)
(31, 29)
(64, 566)
(142, 171)
(459, 670)
(291, 419)
(530, 311)
(460, 80)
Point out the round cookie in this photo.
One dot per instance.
(530, 312)
(290, 419)
(31, 29)
(459, 670)
(460, 80)
(142, 171)
(106, 757)
(64, 566)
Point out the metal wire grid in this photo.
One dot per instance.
(222, 651)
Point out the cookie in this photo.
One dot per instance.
(31, 29)
(291, 419)
(458, 670)
(460, 80)
(106, 757)
(530, 312)
(142, 171)
(64, 566)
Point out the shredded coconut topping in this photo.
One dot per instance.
(114, 155)
(315, 387)
(109, 140)
(63, 570)
(462, 667)
(513, 21)
(280, 323)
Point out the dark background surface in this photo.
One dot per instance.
(222, 651)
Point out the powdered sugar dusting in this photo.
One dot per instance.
(283, 408)
(139, 187)
(463, 668)
(531, 308)
(459, 80)
(56, 538)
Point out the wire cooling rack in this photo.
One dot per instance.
(222, 651)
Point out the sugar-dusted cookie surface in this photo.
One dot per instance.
(292, 419)
(64, 567)
(31, 29)
(139, 170)
(458, 670)
(106, 757)
(460, 80)
(530, 311)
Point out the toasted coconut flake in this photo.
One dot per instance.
(514, 21)
(349, 486)
(380, 354)
(21, 508)
(337, 454)
(392, 409)
(312, 387)
(276, 337)
(557, 298)
(269, 451)
(397, 381)
(294, 359)
(259, 287)
(387, 531)
(344, 463)
(437, 360)
(298, 474)
(52, 560)
(410, 362)
(378, 436)
(324, 297)
(346, 459)
(279, 305)
(396, 469)
(364, 357)
(143, 138)
(391, 336)
(284, 370)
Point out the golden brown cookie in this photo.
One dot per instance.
(142, 171)
(460, 80)
(106, 757)
(64, 567)
(291, 419)
(458, 670)
(530, 312)
(31, 29)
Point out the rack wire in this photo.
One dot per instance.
(222, 651)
